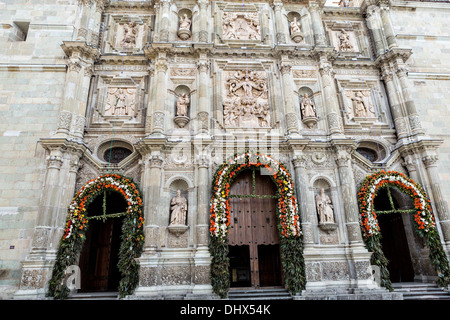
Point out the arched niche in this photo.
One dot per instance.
(295, 27)
(184, 28)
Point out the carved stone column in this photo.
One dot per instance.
(80, 62)
(280, 22)
(151, 188)
(430, 160)
(329, 91)
(203, 20)
(413, 115)
(359, 257)
(343, 151)
(375, 25)
(305, 201)
(203, 105)
(315, 9)
(164, 20)
(161, 67)
(396, 108)
(288, 96)
(387, 26)
(202, 258)
(57, 192)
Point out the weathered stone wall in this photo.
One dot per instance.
(425, 28)
(32, 73)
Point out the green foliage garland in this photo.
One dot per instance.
(287, 212)
(132, 238)
(423, 217)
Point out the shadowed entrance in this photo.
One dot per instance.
(393, 239)
(100, 254)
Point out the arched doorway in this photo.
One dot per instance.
(100, 254)
(420, 211)
(393, 235)
(254, 242)
(79, 220)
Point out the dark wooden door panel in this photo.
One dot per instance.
(253, 226)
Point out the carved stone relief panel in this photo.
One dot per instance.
(348, 38)
(245, 99)
(241, 26)
(363, 102)
(118, 101)
(344, 41)
(359, 104)
(126, 33)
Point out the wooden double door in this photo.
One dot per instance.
(100, 253)
(254, 243)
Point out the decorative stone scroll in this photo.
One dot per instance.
(241, 26)
(246, 100)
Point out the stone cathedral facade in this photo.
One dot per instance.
(167, 91)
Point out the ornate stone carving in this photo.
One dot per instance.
(241, 26)
(309, 113)
(181, 117)
(182, 104)
(179, 209)
(324, 208)
(65, 118)
(345, 44)
(296, 32)
(184, 30)
(359, 104)
(120, 102)
(130, 32)
(246, 99)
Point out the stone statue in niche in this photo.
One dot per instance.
(308, 109)
(129, 35)
(307, 106)
(324, 208)
(120, 102)
(246, 100)
(182, 105)
(241, 26)
(344, 41)
(296, 32)
(178, 209)
(295, 26)
(185, 22)
(184, 29)
(361, 104)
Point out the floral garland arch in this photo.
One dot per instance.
(77, 223)
(425, 224)
(288, 217)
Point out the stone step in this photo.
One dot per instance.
(94, 296)
(421, 291)
(259, 294)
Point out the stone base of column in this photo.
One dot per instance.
(341, 272)
(174, 273)
(34, 282)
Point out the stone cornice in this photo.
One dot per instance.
(80, 50)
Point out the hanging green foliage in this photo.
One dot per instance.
(288, 218)
(425, 224)
(132, 237)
